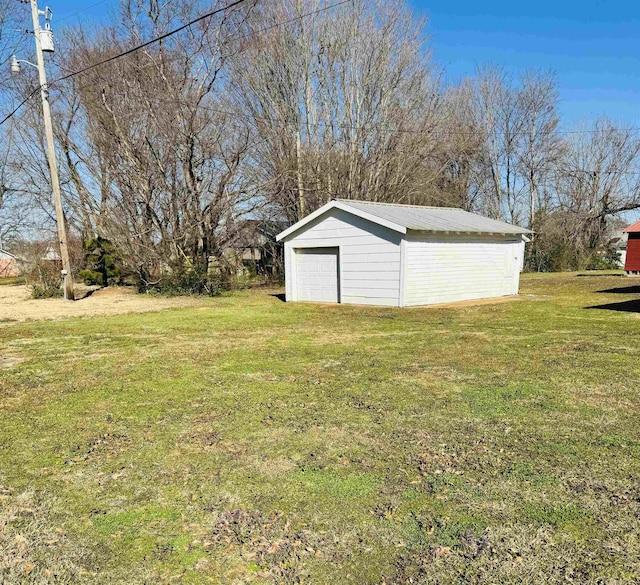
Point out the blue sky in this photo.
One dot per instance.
(593, 46)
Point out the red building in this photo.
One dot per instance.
(632, 263)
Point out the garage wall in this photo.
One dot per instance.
(369, 257)
(443, 269)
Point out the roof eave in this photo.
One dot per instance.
(344, 207)
(524, 232)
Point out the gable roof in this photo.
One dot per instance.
(634, 228)
(402, 218)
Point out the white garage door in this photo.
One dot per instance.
(317, 274)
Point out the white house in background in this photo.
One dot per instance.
(365, 253)
(619, 243)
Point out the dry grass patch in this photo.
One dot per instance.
(16, 304)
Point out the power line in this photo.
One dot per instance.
(284, 126)
(343, 126)
(246, 37)
(152, 41)
(164, 36)
(255, 118)
(346, 126)
(291, 20)
(22, 103)
(125, 53)
(187, 25)
(72, 14)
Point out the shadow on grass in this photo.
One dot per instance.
(607, 275)
(624, 306)
(280, 297)
(623, 290)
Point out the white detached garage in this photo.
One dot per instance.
(367, 253)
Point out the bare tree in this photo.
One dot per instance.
(599, 177)
(150, 158)
(541, 147)
(282, 106)
(14, 209)
(344, 104)
(499, 116)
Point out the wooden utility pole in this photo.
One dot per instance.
(301, 202)
(67, 276)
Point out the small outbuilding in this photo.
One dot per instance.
(359, 252)
(632, 259)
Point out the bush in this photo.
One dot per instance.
(209, 278)
(46, 292)
(102, 262)
(92, 277)
(609, 259)
(45, 280)
(185, 281)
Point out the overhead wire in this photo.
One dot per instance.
(125, 53)
(72, 14)
(341, 125)
(17, 108)
(285, 126)
(187, 25)
(167, 35)
(151, 41)
(210, 14)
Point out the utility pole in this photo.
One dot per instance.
(67, 276)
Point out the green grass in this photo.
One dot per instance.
(250, 441)
(11, 280)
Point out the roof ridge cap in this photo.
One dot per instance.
(382, 203)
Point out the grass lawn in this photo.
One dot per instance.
(245, 440)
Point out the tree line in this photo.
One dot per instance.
(271, 109)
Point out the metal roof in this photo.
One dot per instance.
(634, 228)
(434, 219)
(403, 218)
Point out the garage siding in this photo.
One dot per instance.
(369, 257)
(442, 269)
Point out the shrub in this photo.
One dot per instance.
(185, 280)
(189, 283)
(102, 262)
(45, 280)
(46, 292)
(608, 259)
(91, 277)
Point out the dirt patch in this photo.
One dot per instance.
(17, 306)
(8, 361)
(475, 302)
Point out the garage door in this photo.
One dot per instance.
(317, 274)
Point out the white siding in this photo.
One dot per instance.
(369, 257)
(623, 257)
(443, 269)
